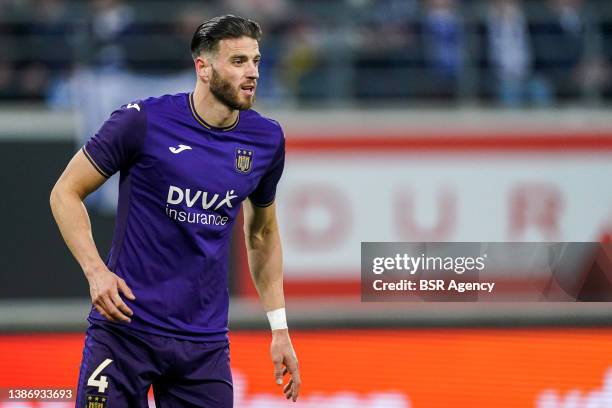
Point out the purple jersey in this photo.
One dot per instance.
(181, 185)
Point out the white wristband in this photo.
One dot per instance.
(277, 319)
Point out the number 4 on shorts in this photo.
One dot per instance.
(102, 384)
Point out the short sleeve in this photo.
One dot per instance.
(118, 141)
(264, 194)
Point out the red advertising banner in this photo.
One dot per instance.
(500, 185)
(395, 368)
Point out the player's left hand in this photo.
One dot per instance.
(283, 354)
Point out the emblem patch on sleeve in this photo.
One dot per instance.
(244, 160)
(96, 401)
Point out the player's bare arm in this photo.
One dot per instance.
(264, 252)
(78, 180)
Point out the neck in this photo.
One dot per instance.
(210, 109)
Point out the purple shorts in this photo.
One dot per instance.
(120, 365)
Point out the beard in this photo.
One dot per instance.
(228, 94)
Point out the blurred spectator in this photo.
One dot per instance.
(52, 43)
(35, 38)
(111, 20)
(53, 31)
(161, 46)
(509, 56)
(387, 48)
(188, 19)
(300, 60)
(561, 48)
(443, 41)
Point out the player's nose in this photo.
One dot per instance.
(252, 71)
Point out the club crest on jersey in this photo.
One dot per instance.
(244, 160)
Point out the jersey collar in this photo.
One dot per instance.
(202, 122)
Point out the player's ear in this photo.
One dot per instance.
(203, 67)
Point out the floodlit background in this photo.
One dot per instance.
(406, 120)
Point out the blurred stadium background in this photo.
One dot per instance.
(406, 120)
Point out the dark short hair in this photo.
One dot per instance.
(208, 34)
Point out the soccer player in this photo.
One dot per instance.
(186, 162)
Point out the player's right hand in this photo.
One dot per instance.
(104, 287)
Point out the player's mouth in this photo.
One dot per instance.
(248, 90)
